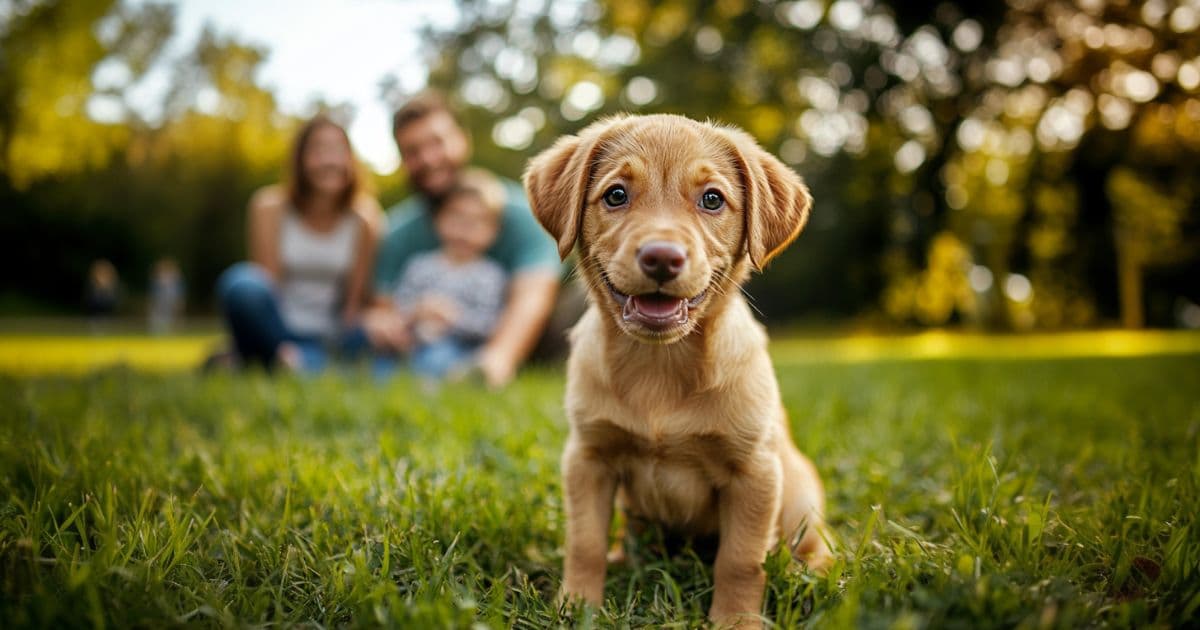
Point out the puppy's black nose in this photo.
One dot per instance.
(661, 260)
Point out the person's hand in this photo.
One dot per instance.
(387, 330)
(438, 309)
(498, 367)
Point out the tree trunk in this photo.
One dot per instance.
(1129, 284)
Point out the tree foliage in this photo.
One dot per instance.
(1028, 163)
(992, 131)
(86, 178)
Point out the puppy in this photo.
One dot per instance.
(675, 413)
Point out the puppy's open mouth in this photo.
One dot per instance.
(656, 311)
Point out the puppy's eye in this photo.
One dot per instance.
(616, 196)
(712, 200)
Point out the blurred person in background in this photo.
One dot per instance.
(102, 294)
(453, 296)
(166, 296)
(434, 148)
(299, 298)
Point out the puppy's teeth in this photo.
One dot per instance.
(629, 311)
(683, 312)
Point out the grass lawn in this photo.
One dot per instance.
(963, 492)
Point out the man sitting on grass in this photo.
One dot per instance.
(434, 149)
(453, 296)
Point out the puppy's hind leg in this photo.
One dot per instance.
(626, 549)
(618, 552)
(801, 518)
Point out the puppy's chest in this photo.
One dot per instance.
(710, 457)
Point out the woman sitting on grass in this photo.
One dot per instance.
(312, 241)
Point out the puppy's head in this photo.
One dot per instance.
(668, 214)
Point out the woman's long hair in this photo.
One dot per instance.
(299, 188)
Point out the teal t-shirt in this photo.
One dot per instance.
(521, 244)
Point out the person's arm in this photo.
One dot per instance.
(386, 324)
(531, 296)
(387, 328)
(264, 219)
(432, 317)
(376, 222)
(368, 208)
(356, 283)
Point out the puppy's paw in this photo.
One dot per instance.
(616, 557)
(818, 561)
(735, 620)
(571, 597)
(814, 551)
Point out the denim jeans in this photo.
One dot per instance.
(439, 358)
(251, 311)
(434, 360)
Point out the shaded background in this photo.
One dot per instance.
(1002, 166)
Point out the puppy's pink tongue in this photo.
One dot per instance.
(659, 306)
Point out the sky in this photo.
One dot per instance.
(335, 50)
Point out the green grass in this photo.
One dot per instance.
(963, 493)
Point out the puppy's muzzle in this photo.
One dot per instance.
(662, 261)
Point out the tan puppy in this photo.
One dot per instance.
(674, 408)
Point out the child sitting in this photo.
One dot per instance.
(452, 296)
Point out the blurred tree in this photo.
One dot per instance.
(995, 121)
(526, 73)
(63, 68)
(82, 169)
(1082, 116)
(222, 138)
(998, 164)
(1148, 224)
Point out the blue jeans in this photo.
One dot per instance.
(435, 360)
(439, 358)
(251, 311)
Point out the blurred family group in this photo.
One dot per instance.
(457, 279)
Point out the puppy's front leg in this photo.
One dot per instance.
(749, 506)
(589, 487)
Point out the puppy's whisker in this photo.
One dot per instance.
(750, 301)
(719, 285)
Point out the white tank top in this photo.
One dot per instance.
(315, 266)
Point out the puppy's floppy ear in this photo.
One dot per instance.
(556, 181)
(777, 201)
